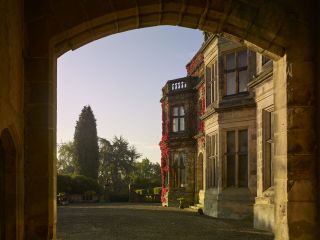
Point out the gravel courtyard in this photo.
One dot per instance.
(147, 221)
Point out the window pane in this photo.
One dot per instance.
(268, 150)
(267, 125)
(243, 158)
(182, 170)
(208, 94)
(243, 170)
(182, 127)
(208, 146)
(267, 166)
(175, 124)
(231, 142)
(231, 61)
(208, 86)
(213, 145)
(214, 90)
(214, 175)
(214, 71)
(231, 158)
(175, 111)
(175, 170)
(243, 141)
(243, 80)
(242, 59)
(181, 111)
(208, 74)
(175, 160)
(231, 171)
(231, 83)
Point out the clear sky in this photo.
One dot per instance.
(121, 77)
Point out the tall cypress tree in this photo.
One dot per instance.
(86, 144)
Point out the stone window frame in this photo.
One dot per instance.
(211, 84)
(267, 143)
(236, 154)
(236, 69)
(212, 150)
(178, 117)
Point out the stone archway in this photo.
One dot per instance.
(284, 30)
(2, 193)
(8, 190)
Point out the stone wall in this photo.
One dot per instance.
(264, 202)
(11, 109)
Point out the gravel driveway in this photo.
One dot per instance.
(147, 221)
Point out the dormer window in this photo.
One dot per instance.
(178, 119)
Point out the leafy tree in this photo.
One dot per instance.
(86, 144)
(146, 174)
(117, 162)
(66, 158)
(105, 154)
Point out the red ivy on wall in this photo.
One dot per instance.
(201, 126)
(164, 150)
(195, 62)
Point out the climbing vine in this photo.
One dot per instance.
(164, 150)
(201, 112)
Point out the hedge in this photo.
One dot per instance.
(149, 191)
(76, 184)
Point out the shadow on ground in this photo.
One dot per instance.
(125, 221)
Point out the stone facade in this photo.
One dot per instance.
(229, 115)
(178, 98)
(263, 88)
(229, 177)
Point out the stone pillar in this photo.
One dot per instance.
(40, 153)
(295, 147)
(296, 166)
(318, 101)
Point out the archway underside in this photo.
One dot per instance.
(276, 28)
(263, 24)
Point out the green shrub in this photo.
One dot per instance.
(64, 183)
(157, 190)
(141, 191)
(119, 196)
(77, 184)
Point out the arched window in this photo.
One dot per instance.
(182, 168)
(175, 170)
(178, 170)
(2, 192)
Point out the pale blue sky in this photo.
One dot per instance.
(121, 77)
